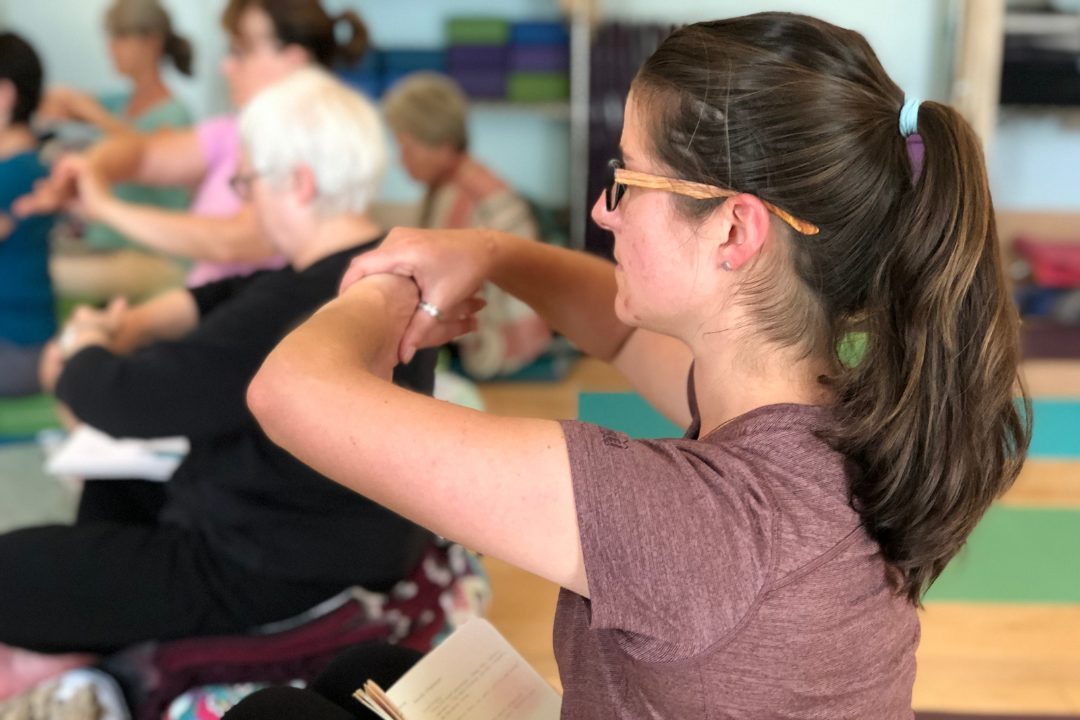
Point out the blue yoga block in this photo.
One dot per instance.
(539, 33)
(406, 61)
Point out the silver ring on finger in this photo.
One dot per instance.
(431, 310)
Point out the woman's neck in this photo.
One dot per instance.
(149, 91)
(15, 140)
(333, 235)
(731, 381)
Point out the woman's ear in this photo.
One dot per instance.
(304, 185)
(9, 97)
(745, 223)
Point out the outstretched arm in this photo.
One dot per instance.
(575, 293)
(500, 486)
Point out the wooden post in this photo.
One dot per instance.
(977, 76)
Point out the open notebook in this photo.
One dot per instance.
(474, 675)
(93, 455)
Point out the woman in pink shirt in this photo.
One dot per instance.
(842, 317)
(268, 41)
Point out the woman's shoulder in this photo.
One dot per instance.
(170, 112)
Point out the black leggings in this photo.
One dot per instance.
(118, 578)
(330, 696)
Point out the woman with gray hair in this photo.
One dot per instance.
(243, 534)
(427, 112)
(141, 38)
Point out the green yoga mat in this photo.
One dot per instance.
(1016, 555)
(23, 418)
(1022, 555)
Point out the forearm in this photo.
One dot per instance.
(360, 329)
(574, 292)
(234, 239)
(117, 157)
(168, 317)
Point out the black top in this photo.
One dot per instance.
(245, 495)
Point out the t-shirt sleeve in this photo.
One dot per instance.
(677, 546)
(217, 138)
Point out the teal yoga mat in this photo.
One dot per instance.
(1056, 429)
(1021, 555)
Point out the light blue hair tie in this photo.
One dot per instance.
(909, 117)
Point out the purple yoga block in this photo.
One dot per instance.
(482, 83)
(476, 57)
(540, 58)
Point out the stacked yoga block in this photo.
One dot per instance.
(539, 63)
(490, 58)
(477, 56)
(520, 62)
(380, 69)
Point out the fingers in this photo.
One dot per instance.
(114, 314)
(424, 331)
(374, 263)
(420, 327)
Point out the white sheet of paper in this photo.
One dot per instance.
(91, 454)
(475, 675)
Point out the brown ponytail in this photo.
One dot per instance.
(306, 23)
(148, 17)
(179, 50)
(930, 410)
(354, 49)
(801, 113)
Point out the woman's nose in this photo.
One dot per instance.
(601, 216)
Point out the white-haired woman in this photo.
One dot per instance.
(245, 534)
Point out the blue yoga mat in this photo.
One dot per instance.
(1056, 429)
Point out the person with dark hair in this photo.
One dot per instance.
(141, 35)
(268, 41)
(26, 297)
(822, 309)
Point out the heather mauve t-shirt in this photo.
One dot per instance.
(730, 578)
(219, 141)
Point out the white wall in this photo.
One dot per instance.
(70, 37)
(907, 35)
(532, 151)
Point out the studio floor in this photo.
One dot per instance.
(1000, 635)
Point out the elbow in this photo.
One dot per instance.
(264, 398)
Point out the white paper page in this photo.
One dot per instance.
(475, 675)
(93, 455)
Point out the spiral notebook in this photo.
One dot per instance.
(474, 675)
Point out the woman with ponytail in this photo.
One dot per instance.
(141, 38)
(269, 40)
(808, 280)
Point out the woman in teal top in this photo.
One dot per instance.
(26, 301)
(141, 36)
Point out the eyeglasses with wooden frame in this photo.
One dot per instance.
(621, 178)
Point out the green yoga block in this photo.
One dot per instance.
(537, 87)
(22, 418)
(477, 31)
